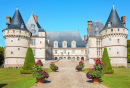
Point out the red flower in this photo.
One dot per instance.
(36, 63)
(97, 63)
(101, 63)
(80, 62)
(96, 60)
(52, 62)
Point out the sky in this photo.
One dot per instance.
(64, 15)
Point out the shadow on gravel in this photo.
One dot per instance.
(56, 71)
(46, 81)
(90, 81)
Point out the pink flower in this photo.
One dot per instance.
(101, 63)
(36, 63)
(96, 60)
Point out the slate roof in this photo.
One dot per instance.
(16, 21)
(41, 30)
(114, 19)
(68, 36)
(96, 26)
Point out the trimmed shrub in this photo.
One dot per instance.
(26, 71)
(108, 71)
(107, 65)
(1, 55)
(29, 60)
(121, 66)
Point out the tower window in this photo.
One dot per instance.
(111, 30)
(11, 52)
(40, 42)
(118, 40)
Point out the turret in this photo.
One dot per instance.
(114, 38)
(17, 39)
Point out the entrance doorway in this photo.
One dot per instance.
(55, 58)
(82, 58)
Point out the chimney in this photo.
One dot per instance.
(123, 19)
(89, 27)
(84, 38)
(35, 17)
(8, 19)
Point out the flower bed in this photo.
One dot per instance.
(53, 67)
(80, 66)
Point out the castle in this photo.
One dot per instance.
(65, 45)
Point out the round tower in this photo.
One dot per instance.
(16, 38)
(114, 38)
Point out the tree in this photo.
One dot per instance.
(107, 65)
(1, 55)
(128, 55)
(29, 60)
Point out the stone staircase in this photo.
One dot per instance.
(70, 64)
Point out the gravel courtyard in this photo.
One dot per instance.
(68, 78)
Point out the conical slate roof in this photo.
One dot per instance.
(113, 19)
(16, 21)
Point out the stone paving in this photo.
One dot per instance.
(68, 78)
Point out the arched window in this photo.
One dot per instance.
(73, 44)
(55, 44)
(64, 44)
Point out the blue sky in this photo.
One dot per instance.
(63, 15)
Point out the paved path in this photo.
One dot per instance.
(68, 78)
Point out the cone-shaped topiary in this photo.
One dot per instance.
(107, 65)
(29, 60)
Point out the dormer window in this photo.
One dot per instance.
(73, 44)
(32, 26)
(55, 43)
(22, 26)
(64, 44)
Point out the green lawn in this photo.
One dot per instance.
(120, 78)
(11, 78)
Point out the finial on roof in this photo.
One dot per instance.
(113, 5)
(17, 6)
(32, 12)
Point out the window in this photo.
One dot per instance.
(82, 51)
(98, 41)
(32, 26)
(73, 51)
(73, 43)
(123, 29)
(20, 31)
(109, 39)
(33, 31)
(11, 40)
(11, 52)
(64, 51)
(109, 48)
(98, 52)
(34, 52)
(13, 30)
(18, 48)
(106, 30)
(118, 29)
(40, 42)
(111, 30)
(55, 51)
(55, 44)
(33, 42)
(117, 52)
(18, 39)
(118, 40)
(64, 44)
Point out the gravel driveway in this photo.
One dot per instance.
(68, 78)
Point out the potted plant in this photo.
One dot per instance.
(53, 67)
(96, 73)
(39, 74)
(80, 66)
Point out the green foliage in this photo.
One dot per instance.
(121, 66)
(1, 55)
(105, 59)
(39, 73)
(81, 64)
(108, 71)
(40, 63)
(53, 66)
(26, 71)
(95, 73)
(29, 60)
(128, 55)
